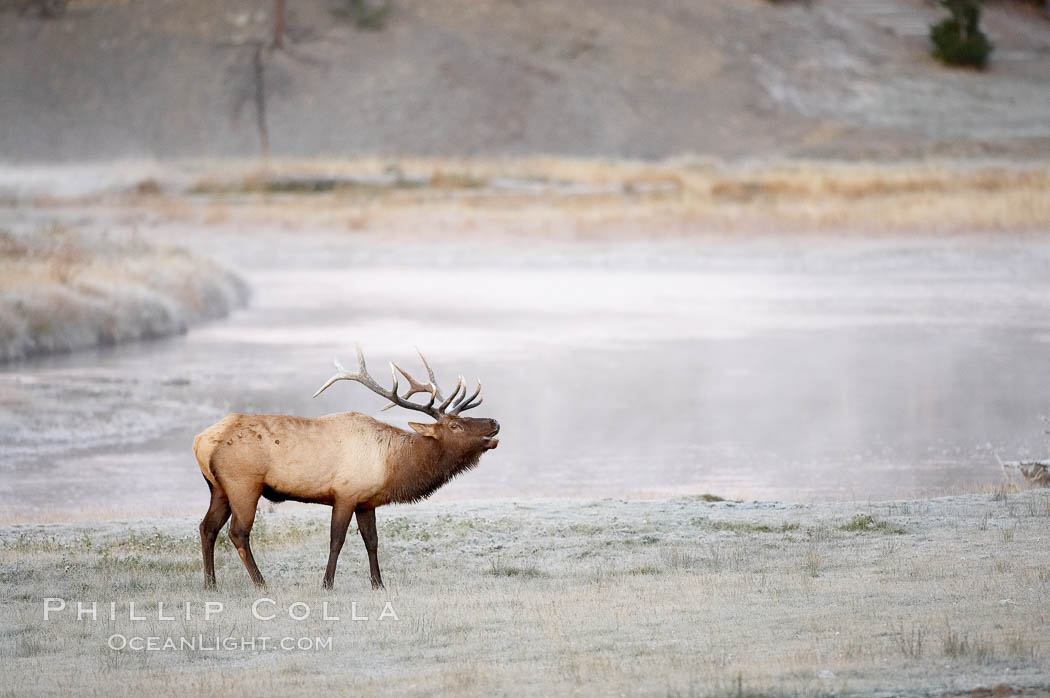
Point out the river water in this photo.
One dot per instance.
(795, 367)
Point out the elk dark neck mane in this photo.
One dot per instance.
(419, 465)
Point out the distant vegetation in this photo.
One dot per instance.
(61, 289)
(44, 9)
(807, 194)
(958, 40)
(364, 14)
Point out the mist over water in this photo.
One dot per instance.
(795, 368)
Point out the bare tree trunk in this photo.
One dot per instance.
(259, 74)
(280, 23)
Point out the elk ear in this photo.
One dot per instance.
(423, 429)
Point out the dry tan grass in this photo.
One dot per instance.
(599, 196)
(673, 597)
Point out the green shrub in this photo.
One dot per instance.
(866, 523)
(958, 40)
(363, 13)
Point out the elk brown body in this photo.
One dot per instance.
(348, 461)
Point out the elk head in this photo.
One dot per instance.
(463, 435)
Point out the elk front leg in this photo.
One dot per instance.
(366, 522)
(214, 520)
(341, 514)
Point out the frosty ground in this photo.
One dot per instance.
(682, 596)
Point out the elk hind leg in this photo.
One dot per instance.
(243, 503)
(214, 520)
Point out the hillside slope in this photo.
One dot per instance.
(732, 78)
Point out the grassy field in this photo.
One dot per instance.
(674, 597)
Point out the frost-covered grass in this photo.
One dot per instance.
(63, 289)
(546, 597)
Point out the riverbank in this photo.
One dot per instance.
(683, 596)
(548, 197)
(65, 288)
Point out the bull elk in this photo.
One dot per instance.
(349, 461)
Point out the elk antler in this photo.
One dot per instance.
(467, 403)
(366, 380)
(454, 404)
(415, 386)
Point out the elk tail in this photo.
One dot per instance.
(203, 451)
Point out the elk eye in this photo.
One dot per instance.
(455, 427)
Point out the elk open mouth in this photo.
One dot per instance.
(491, 441)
